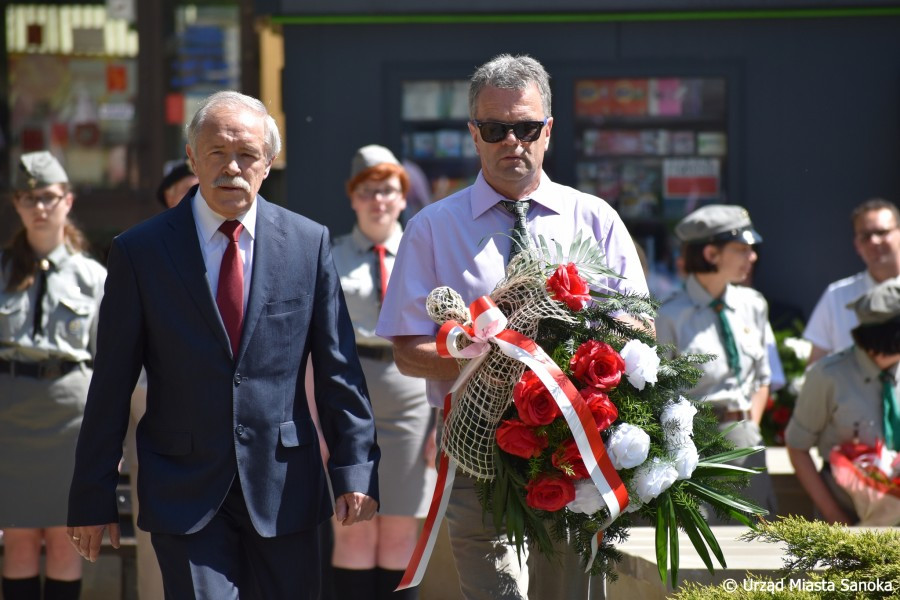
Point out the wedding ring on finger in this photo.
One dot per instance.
(75, 538)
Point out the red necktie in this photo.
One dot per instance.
(230, 292)
(382, 271)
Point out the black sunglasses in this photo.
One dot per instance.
(525, 131)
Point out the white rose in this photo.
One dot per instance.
(587, 498)
(653, 478)
(796, 385)
(641, 363)
(678, 421)
(801, 348)
(685, 459)
(628, 446)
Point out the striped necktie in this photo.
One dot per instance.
(519, 231)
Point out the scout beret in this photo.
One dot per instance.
(879, 305)
(717, 223)
(371, 156)
(38, 170)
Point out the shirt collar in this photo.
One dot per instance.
(484, 197)
(700, 297)
(868, 366)
(364, 244)
(59, 255)
(208, 220)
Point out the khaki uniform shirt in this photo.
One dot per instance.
(357, 264)
(687, 321)
(839, 401)
(71, 305)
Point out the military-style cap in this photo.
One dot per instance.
(371, 156)
(38, 170)
(878, 305)
(717, 223)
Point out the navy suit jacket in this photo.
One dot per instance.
(210, 417)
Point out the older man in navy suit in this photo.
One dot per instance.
(222, 299)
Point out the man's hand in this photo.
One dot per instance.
(353, 507)
(87, 539)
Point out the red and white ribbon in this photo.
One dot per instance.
(489, 326)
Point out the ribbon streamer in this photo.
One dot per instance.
(489, 326)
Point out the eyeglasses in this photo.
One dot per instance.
(388, 194)
(869, 236)
(48, 201)
(494, 131)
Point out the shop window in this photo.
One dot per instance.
(652, 147)
(206, 59)
(435, 136)
(72, 89)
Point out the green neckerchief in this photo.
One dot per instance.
(731, 353)
(891, 411)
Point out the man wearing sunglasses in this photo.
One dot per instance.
(464, 242)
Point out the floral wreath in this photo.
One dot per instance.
(573, 421)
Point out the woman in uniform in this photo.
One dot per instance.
(369, 558)
(49, 298)
(849, 396)
(712, 314)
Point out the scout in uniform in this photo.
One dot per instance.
(849, 396)
(49, 298)
(714, 315)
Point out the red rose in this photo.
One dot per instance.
(517, 438)
(598, 365)
(567, 459)
(604, 411)
(535, 404)
(549, 492)
(567, 286)
(781, 415)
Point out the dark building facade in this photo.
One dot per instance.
(790, 109)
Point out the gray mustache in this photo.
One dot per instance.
(238, 182)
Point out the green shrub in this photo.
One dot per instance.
(821, 562)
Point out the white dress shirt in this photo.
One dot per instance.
(213, 242)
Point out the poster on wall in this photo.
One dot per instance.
(81, 109)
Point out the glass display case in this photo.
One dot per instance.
(654, 148)
(434, 134)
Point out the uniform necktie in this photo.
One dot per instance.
(891, 411)
(37, 327)
(382, 271)
(230, 292)
(731, 353)
(519, 232)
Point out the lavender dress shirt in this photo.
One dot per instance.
(462, 242)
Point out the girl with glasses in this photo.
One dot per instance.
(49, 299)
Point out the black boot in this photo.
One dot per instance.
(54, 589)
(386, 581)
(22, 589)
(355, 584)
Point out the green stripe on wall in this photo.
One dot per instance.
(622, 17)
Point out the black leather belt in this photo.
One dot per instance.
(385, 353)
(48, 369)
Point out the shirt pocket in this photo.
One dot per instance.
(71, 321)
(13, 316)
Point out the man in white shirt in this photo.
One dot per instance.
(877, 241)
